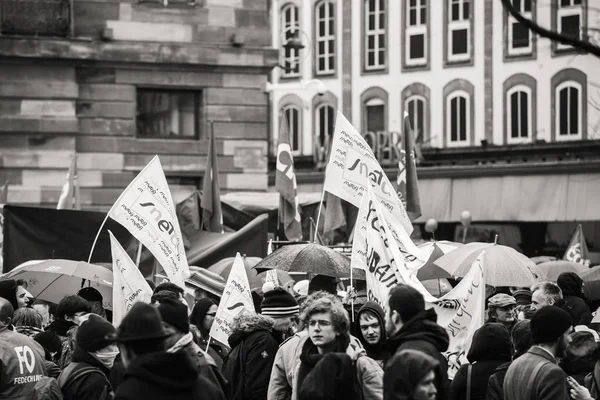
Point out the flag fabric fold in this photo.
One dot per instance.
(334, 217)
(408, 187)
(577, 251)
(236, 299)
(146, 210)
(69, 197)
(129, 285)
(212, 214)
(285, 184)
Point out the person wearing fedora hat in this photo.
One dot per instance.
(151, 371)
(86, 376)
(175, 321)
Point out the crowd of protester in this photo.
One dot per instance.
(310, 344)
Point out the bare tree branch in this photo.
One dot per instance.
(543, 32)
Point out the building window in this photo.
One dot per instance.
(459, 30)
(568, 111)
(458, 118)
(416, 40)
(415, 106)
(290, 28)
(325, 38)
(325, 124)
(292, 116)
(519, 114)
(519, 40)
(375, 115)
(375, 35)
(169, 114)
(569, 18)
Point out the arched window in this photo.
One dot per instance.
(519, 114)
(325, 123)
(374, 110)
(293, 114)
(458, 118)
(325, 38)
(289, 28)
(415, 106)
(568, 111)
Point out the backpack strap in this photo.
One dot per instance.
(469, 370)
(70, 377)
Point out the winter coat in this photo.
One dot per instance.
(52, 369)
(491, 347)
(286, 360)
(247, 367)
(570, 283)
(333, 378)
(422, 333)
(368, 373)
(165, 376)
(535, 376)
(21, 364)
(92, 385)
(495, 389)
(205, 364)
(580, 356)
(404, 371)
(378, 351)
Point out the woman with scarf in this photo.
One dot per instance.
(328, 332)
(202, 318)
(410, 375)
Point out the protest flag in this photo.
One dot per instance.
(285, 184)
(189, 216)
(146, 210)
(334, 217)
(69, 197)
(4, 193)
(212, 214)
(408, 187)
(236, 299)
(577, 251)
(129, 285)
(352, 168)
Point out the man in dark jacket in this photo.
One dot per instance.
(572, 290)
(410, 326)
(254, 342)
(175, 321)
(152, 373)
(521, 339)
(536, 375)
(371, 332)
(489, 349)
(86, 377)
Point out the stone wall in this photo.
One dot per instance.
(59, 97)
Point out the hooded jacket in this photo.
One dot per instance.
(491, 347)
(404, 372)
(570, 284)
(247, 367)
(376, 351)
(165, 376)
(422, 333)
(93, 385)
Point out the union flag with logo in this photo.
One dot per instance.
(577, 251)
(285, 184)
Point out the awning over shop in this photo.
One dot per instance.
(539, 198)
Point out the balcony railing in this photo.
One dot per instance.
(49, 18)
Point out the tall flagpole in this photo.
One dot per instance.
(319, 215)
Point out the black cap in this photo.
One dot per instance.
(142, 322)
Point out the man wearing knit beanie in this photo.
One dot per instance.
(280, 305)
(536, 374)
(175, 321)
(86, 377)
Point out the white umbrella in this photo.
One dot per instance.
(51, 280)
(504, 266)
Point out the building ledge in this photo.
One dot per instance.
(137, 52)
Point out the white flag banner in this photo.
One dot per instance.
(236, 299)
(384, 250)
(146, 209)
(129, 285)
(353, 167)
(461, 313)
(388, 262)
